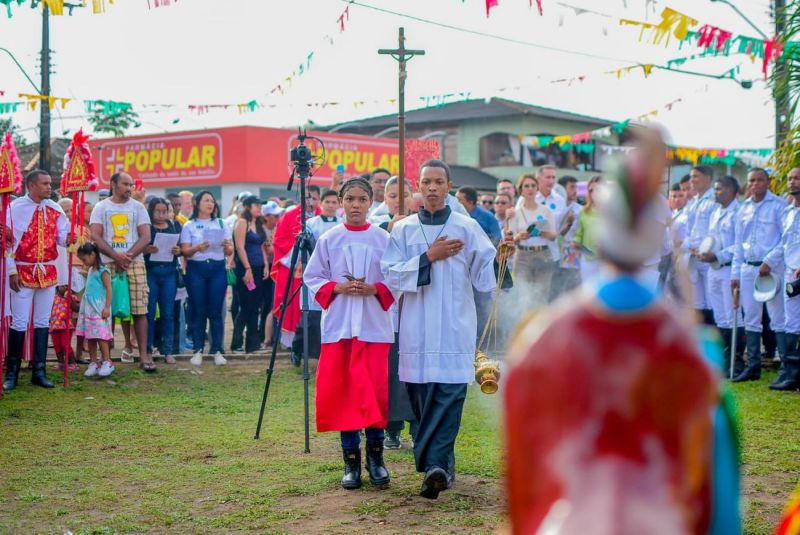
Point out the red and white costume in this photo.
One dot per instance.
(38, 229)
(352, 375)
(283, 241)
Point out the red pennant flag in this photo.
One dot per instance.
(489, 5)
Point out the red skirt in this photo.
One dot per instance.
(353, 385)
(280, 275)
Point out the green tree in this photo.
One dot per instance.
(116, 123)
(785, 80)
(7, 125)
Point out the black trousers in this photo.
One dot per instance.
(249, 309)
(438, 408)
(314, 334)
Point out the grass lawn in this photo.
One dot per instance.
(174, 453)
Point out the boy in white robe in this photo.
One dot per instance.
(436, 258)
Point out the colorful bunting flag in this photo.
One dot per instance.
(489, 5)
(672, 23)
(344, 16)
(109, 107)
(9, 3)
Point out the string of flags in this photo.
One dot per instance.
(57, 8)
(494, 3)
(708, 36)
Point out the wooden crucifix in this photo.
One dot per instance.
(402, 54)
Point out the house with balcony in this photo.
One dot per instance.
(485, 140)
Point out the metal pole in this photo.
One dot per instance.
(402, 122)
(44, 119)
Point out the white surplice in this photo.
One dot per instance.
(438, 321)
(357, 253)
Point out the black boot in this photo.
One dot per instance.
(741, 344)
(16, 341)
(352, 469)
(435, 482)
(378, 474)
(783, 341)
(791, 374)
(726, 334)
(787, 375)
(39, 377)
(753, 370)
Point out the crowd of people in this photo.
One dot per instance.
(160, 268)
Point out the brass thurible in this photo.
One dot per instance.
(487, 372)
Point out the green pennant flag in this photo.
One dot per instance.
(8, 4)
(619, 128)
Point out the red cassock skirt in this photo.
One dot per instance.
(353, 385)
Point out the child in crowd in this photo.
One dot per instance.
(94, 318)
(61, 330)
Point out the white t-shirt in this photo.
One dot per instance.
(121, 223)
(196, 231)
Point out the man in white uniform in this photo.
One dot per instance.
(699, 215)
(722, 228)
(789, 375)
(758, 252)
(436, 258)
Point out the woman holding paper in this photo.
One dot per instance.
(205, 242)
(533, 226)
(161, 261)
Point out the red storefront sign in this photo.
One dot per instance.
(233, 155)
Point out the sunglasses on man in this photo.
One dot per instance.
(487, 203)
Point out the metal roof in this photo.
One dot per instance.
(470, 109)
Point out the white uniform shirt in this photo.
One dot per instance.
(680, 220)
(438, 324)
(789, 251)
(699, 218)
(357, 253)
(758, 233)
(722, 228)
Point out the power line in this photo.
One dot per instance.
(523, 43)
(486, 34)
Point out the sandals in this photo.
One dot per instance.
(127, 356)
(148, 366)
(169, 359)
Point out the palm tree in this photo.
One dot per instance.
(785, 81)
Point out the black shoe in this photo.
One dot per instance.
(392, 441)
(435, 482)
(753, 370)
(791, 374)
(39, 377)
(295, 360)
(378, 474)
(352, 469)
(16, 341)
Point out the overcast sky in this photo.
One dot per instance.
(209, 52)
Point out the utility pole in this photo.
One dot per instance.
(44, 118)
(402, 54)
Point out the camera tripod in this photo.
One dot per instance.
(302, 158)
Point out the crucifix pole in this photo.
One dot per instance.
(401, 54)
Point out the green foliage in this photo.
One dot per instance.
(6, 125)
(117, 123)
(785, 81)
